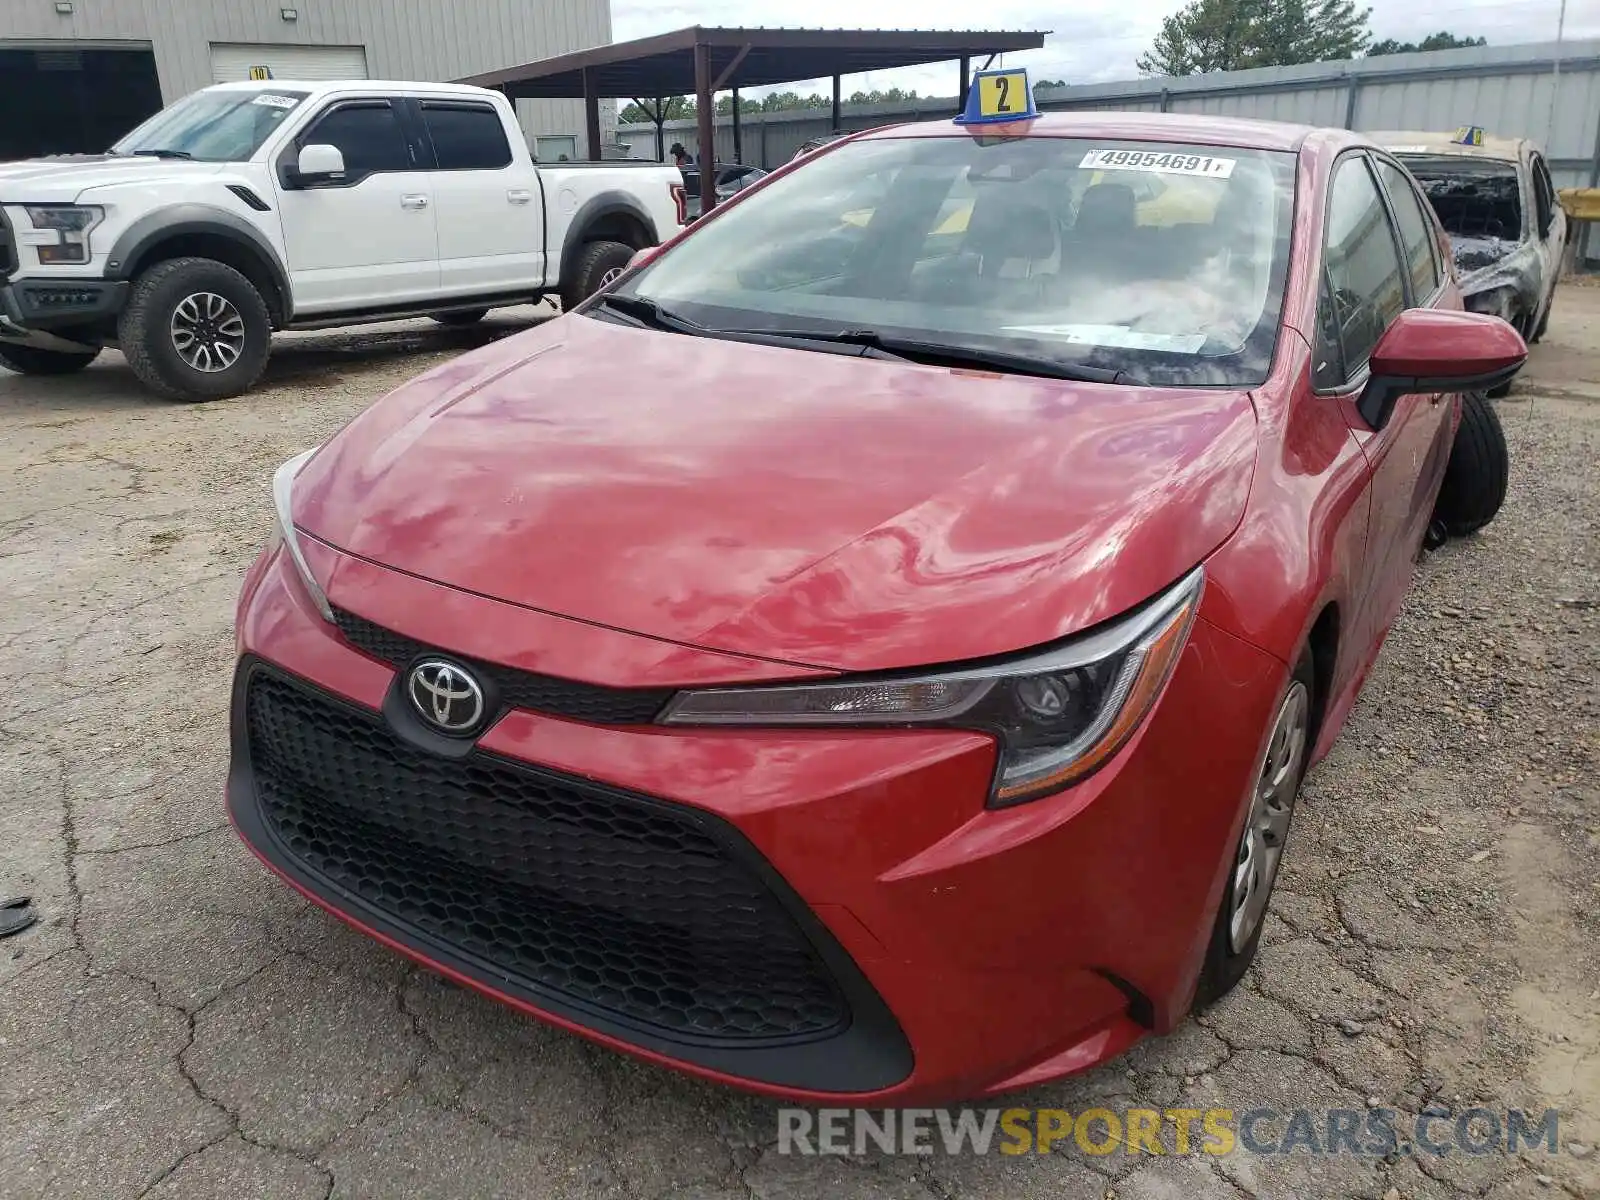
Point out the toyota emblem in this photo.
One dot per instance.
(446, 696)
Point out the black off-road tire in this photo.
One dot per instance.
(1224, 966)
(461, 318)
(595, 261)
(1475, 478)
(144, 330)
(31, 360)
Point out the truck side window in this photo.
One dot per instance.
(1364, 278)
(367, 133)
(466, 137)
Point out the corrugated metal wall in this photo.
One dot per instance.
(1506, 89)
(404, 39)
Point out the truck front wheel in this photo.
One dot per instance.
(195, 329)
(31, 360)
(598, 264)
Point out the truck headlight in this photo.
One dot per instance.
(73, 223)
(282, 496)
(1058, 715)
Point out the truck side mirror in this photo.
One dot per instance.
(318, 163)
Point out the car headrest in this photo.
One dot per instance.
(1106, 208)
(1007, 230)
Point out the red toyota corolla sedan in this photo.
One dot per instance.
(870, 654)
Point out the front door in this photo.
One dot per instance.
(368, 240)
(1368, 278)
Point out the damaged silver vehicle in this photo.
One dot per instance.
(1496, 200)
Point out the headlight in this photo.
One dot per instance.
(1058, 715)
(282, 494)
(73, 223)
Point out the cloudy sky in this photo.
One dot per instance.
(1092, 40)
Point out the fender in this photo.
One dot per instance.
(595, 209)
(180, 220)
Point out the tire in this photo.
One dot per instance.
(1475, 478)
(597, 264)
(223, 315)
(1232, 949)
(461, 319)
(1544, 322)
(31, 360)
(1521, 324)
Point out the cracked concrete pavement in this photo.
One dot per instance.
(180, 1025)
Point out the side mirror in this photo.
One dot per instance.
(319, 163)
(1427, 350)
(643, 255)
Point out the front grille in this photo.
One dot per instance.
(627, 906)
(517, 689)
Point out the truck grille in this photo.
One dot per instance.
(517, 689)
(635, 909)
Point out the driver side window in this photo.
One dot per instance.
(1363, 280)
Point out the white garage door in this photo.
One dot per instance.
(231, 62)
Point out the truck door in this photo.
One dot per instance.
(365, 239)
(486, 197)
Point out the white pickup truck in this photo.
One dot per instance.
(248, 208)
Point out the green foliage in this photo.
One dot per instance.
(676, 108)
(1434, 41)
(1231, 35)
(682, 108)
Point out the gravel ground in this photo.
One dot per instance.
(180, 1025)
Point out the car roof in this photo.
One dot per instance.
(1497, 148)
(1196, 128)
(325, 87)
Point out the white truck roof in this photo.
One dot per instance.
(328, 86)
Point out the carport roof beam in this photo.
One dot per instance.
(664, 65)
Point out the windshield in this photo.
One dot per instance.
(1165, 262)
(1474, 197)
(212, 126)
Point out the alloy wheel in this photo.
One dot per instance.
(1267, 826)
(207, 332)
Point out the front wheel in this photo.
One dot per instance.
(1479, 469)
(195, 329)
(31, 360)
(1236, 935)
(598, 264)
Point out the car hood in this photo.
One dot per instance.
(806, 507)
(61, 180)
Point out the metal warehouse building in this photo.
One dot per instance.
(77, 74)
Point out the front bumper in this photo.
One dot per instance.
(970, 951)
(58, 307)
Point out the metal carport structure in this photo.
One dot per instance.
(706, 60)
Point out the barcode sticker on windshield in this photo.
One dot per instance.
(272, 101)
(1162, 162)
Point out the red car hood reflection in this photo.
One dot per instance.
(786, 504)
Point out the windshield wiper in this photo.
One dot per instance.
(942, 354)
(648, 312)
(160, 152)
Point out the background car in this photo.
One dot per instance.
(882, 677)
(732, 178)
(1507, 229)
(816, 143)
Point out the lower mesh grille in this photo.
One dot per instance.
(618, 903)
